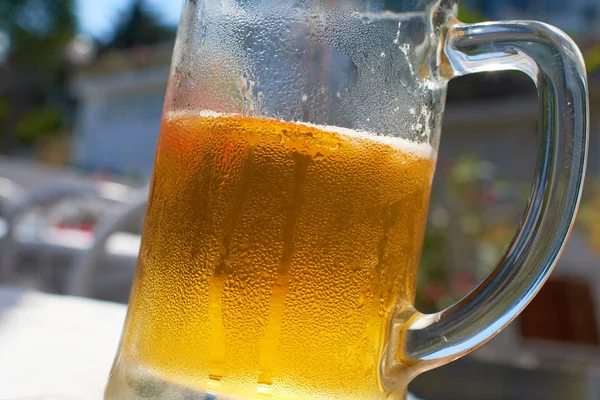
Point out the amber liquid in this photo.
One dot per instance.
(273, 257)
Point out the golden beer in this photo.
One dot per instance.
(274, 255)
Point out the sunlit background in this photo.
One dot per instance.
(81, 89)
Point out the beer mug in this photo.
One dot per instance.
(290, 192)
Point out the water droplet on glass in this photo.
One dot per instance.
(361, 301)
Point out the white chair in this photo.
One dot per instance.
(110, 248)
(21, 237)
(10, 194)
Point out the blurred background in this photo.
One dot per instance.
(82, 84)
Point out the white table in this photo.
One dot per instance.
(56, 347)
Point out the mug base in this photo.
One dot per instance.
(139, 383)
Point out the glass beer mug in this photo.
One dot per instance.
(290, 192)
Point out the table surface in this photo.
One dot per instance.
(56, 347)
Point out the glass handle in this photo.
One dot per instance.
(553, 61)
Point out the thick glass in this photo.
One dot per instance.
(290, 191)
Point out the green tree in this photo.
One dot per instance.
(592, 59)
(469, 15)
(38, 31)
(33, 69)
(139, 26)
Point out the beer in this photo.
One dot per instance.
(274, 255)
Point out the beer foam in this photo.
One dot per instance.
(423, 150)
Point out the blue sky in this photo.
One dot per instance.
(98, 17)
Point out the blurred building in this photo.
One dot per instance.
(120, 102)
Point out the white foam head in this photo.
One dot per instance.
(423, 150)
